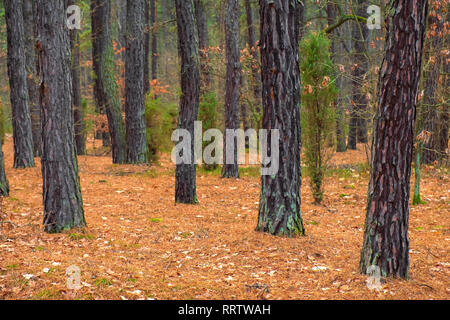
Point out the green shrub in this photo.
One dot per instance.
(207, 114)
(161, 121)
(317, 113)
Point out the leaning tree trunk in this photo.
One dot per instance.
(21, 120)
(78, 118)
(358, 122)
(230, 167)
(386, 243)
(105, 87)
(63, 204)
(30, 58)
(185, 184)
(134, 84)
(430, 99)
(279, 207)
(203, 45)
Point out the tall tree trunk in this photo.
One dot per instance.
(279, 207)
(146, 46)
(233, 88)
(105, 87)
(63, 204)
(153, 20)
(386, 243)
(430, 99)
(358, 121)
(78, 118)
(30, 57)
(340, 113)
(256, 81)
(203, 44)
(185, 184)
(134, 84)
(21, 120)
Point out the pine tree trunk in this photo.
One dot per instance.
(203, 44)
(32, 79)
(134, 84)
(146, 46)
(63, 204)
(185, 184)
(78, 118)
(21, 120)
(105, 87)
(233, 87)
(279, 207)
(386, 243)
(430, 99)
(153, 19)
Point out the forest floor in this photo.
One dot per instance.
(140, 245)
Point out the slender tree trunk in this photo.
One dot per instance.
(134, 84)
(153, 19)
(63, 204)
(30, 57)
(279, 207)
(430, 99)
(105, 87)
(386, 243)
(203, 43)
(21, 120)
(358, 121)
(233, 87)
(444, 120)
(146, 46)
(185, 184)
(80, 136)
(4, 185)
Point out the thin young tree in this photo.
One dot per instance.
(386, 243)
(4, 185)
(32, 80)
(154, 38)
(134, 83)
(185, 182)
(63, 203)
(230, 167)
(21, 120)
(105, 87)
(279, 207)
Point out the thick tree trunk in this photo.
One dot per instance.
(430, 99)
(386, 243)
(63, 204)
(78, 118)
(185, 184)
(279, 207)
(233, 87)
(358, 121)
(203, 44)
(134, 84)
(340, 113)
(32, 79)
(153, 18)
(256, 81)
(105, 87)
(21, 120)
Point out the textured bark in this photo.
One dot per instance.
(105, 87)
(78, 118)
(21, 120)
(279, 207)
(341, 145)
(358, 121)
(203, 45)
(256, 81)
(146, 46)
(232, 86)
(32, 79)
(134, 84)
(153, 20)
(185, 183)
(63, 204)
(4, 185)
(386, 243)
(430, 99)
